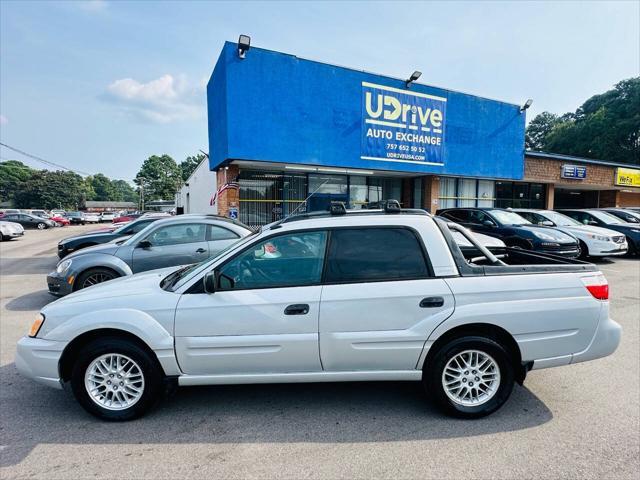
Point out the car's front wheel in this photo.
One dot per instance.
(94, 276)
(41, 226)
(115, 379)
(469, 377)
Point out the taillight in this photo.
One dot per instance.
(598, 286)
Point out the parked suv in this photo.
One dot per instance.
(514, 230)
(329, 297)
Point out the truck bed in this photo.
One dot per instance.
(471, 261)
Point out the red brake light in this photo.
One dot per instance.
(597, 286)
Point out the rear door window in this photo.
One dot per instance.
(221, 233)
(374, 254)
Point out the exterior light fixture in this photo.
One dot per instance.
(244, 43)
(414, 76)
(526, 105)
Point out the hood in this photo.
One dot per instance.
(589, 230)
(484, 240)
(554, 234)
(92, 233)
(106, 248)
(130, 286)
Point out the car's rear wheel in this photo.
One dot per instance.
(469, 377)
(94, 276)
(115, 379)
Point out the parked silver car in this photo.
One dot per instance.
(176, 241)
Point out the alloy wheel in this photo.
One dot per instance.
(114, 381)
(471, 378)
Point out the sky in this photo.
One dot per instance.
(98, 86)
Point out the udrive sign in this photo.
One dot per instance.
(402, 126)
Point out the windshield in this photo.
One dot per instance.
(560, 219)
(174, 277)
(606, 217)
(509, 218)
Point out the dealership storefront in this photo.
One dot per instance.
(289, 135)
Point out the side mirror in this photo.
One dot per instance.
(593, 222)
(488, 223)
(144, 244)
(210, 282)
(547, 223)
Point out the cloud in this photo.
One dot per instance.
(163, 100)
(3, 120)
(93, 5)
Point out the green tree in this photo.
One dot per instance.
(189, 164)
(46, 189)
(13, 175)
(605, 127)
(123, 192)
(102, 187)
(160, 178)
(538, 130)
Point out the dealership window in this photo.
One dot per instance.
(466, 192)
(417, 193)
(520, 195)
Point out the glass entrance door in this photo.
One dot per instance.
(324, 189)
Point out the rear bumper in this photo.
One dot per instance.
(13, 234)
(38, 359)
(604, 343)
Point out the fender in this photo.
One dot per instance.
(135, 322)
(96, 260)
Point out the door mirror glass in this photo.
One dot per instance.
(210, 282)
(144, 244)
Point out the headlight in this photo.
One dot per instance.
(601, 238)
(63, 266)
(544, 236)
(36, 325)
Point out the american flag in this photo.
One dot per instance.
(229, 185)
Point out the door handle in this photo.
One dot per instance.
(297, 309)
(431, 302)
(200, 250)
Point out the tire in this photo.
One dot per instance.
(434, 377)
(101, 275)
(144, 372)
(41, 226)
(584, 250)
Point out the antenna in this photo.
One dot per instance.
(302, 203)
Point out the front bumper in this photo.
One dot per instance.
(570, 251)
(38, 360)
(59, 285)
(13, 234)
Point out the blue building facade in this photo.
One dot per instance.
(285, 127)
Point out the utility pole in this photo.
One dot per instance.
(141, 193)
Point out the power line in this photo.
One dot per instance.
(42, 160)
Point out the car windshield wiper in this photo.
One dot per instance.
(171, 279)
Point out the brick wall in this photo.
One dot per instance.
(430, 193)
(548, 171)
(231, 196)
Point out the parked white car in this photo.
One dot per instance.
(324, 298)
(107, 216)
(91, 217)
(10, 230)
(594, 241)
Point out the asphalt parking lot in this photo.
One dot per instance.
(580, 421)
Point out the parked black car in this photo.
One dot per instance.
(628, 216)
(75, 217)
(29, 221)
(606, 220)
(514, 230)
(78, 242)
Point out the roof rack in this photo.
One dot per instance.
(339, 209)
